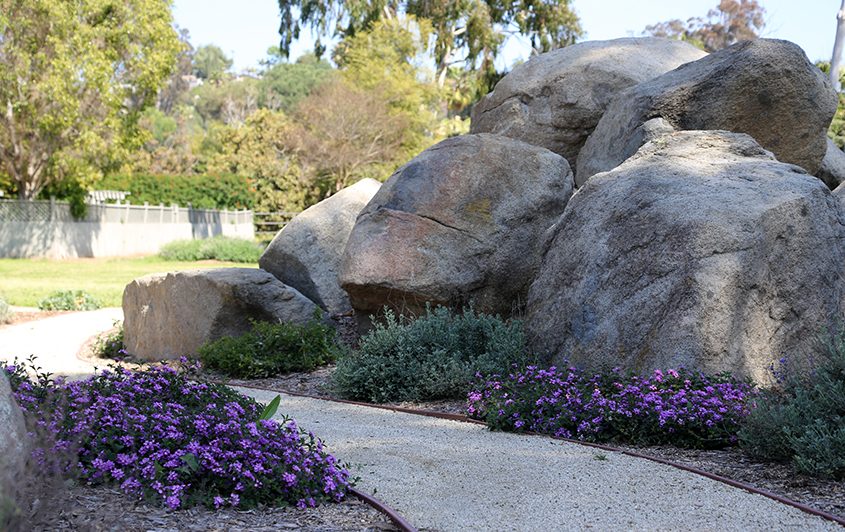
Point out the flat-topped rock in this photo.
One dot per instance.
(169, 315)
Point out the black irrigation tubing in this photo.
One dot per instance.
(465, 419)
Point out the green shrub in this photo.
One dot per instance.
(271, 349)
(802, 418)
(5, 311)
(224, 191)
(433, 357)
(69, 300)
(217, 248)
(110, 345)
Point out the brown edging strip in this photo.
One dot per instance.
(397, 519)
(464, 419)
(402, 524)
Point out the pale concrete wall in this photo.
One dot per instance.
(103, 235)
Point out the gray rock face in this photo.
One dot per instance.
(839, 193)
(13, 437)
(458, 223)
(555, 99)
(701, 250)
(832, 171)
(306, 254)
(765, 88)
(169, 315)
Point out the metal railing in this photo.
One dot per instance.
(58, 211)
(268, 224)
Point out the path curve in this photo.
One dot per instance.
(56, 340)
(448, 475)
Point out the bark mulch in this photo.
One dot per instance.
(102, 509)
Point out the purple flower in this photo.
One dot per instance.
(677, 406)
(158, 434)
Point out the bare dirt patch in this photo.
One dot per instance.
(18, 317)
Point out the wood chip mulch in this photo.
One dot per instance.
(103, 509)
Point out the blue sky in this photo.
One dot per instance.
(244, 29)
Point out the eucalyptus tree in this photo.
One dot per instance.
(466, 32)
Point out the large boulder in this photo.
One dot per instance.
(169, 315)
(700, 251)
(555, 99)
(306, 254)
(766, 88)
(13, 438)
(832, 170)
(457, 224)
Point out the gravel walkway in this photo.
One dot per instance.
(55, 341)
(448, 475)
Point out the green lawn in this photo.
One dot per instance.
(25, 282)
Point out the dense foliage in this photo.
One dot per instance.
(221, 248)
(69, 300)
(272, 349)
(802, 419)
(220, 191)
(471, 33)
(211, 63)
(283, 84)
(74, 78)
(432, 357)
(111, 344)
(266, 149)
(677, 407)
(161, 435)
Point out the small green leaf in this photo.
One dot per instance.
(191, 461)
(270, 409)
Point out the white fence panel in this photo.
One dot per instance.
(47, 229)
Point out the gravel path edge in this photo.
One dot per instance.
(465, 419)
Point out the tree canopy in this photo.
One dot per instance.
(284, 84)
(75, 78)
(210, 63)
(730, 22)
(465, 31)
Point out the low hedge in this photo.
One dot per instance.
(223, 191)
(217, 248)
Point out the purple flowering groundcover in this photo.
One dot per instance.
(160, 435)
(679, 407)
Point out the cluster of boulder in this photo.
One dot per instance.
(639, 203)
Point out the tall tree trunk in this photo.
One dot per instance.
(837, 48)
